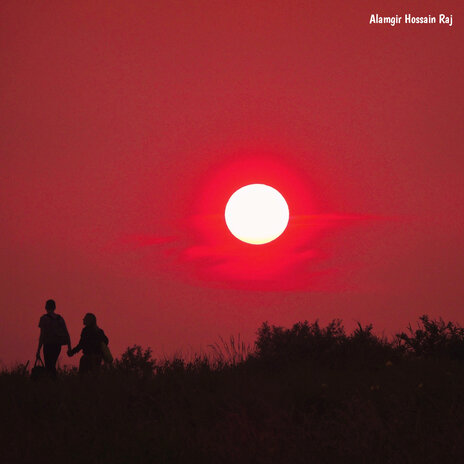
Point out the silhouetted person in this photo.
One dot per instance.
(90, 343)
(53, 334)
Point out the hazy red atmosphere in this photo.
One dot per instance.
(126, 126)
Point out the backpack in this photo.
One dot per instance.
(56, 331)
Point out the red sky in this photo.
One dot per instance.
(125, 127)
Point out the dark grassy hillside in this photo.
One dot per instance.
(306, 395)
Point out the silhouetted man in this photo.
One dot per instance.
(53, 334)
(90, 343)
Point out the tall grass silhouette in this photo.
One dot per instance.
(301, 394)
(233, 352)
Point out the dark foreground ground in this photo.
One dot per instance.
(292, 410)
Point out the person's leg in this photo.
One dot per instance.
(85, 364)
(97, 362)
(90, 363)
(51, 353)
(94, 362)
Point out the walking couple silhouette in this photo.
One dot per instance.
(54, 334)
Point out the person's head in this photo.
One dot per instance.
(50, 306)
(90, 320)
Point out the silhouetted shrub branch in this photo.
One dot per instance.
(433, 338)
(136, 360)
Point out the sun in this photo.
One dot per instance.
(257, 214)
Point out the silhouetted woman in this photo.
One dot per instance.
(53, 334)
(90, 343)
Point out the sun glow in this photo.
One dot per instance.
(257, 214)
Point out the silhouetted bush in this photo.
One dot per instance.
(303, 340)
(367, 349)
(229, 409)
(139, 361)
(329, 344)
(433, 338)
(136, 360)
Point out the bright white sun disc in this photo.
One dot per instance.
(257, 214)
